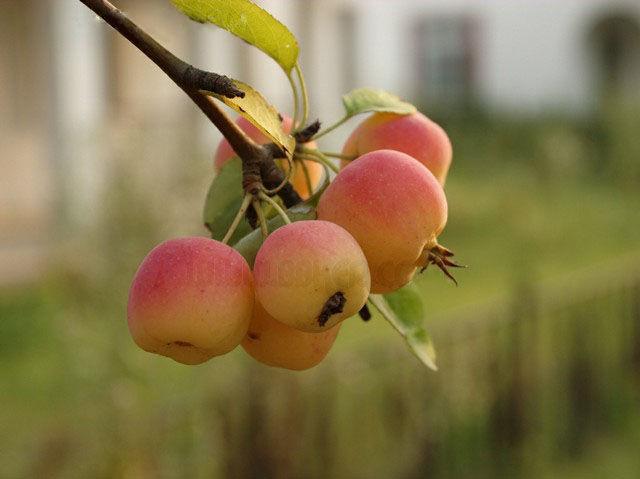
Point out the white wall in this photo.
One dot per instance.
(532, 54)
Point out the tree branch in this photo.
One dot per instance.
(187, 77)
(255, 158)
(196, 79)
(272, 177)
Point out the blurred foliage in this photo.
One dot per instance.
(539, 348)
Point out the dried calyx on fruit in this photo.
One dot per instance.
(395, 208)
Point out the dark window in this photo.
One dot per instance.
(347, 19)
(445, 61)
(615, 43)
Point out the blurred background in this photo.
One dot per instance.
(539, 347)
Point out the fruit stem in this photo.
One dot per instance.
(340, 156)
(261, 218)
(329, 129)
(318, 157)
(313, 199)
(236, 221)
(296, 101)
(307, 178)
(263, 196)
(305, 95)
(318, 160)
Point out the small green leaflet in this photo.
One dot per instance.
(250, 244)
(404, 309)
(223, 201)
(262, 114)
(364, 100)
(249, 22)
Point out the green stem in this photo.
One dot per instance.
(316, 159)
(325, 183)
(261, 218)
(331, 128)
(315, 155)
(276, 206)
(340, 156)
(305, 96)
(236, 221)
(296, 101)
(307, 177)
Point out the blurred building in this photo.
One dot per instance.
(524, 57)
(73, 94)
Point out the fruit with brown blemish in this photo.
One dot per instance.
(311, 275)
(191, 299)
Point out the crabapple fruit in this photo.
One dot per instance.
(415, 135)
(225, 152)
(395, 208)
(310, 275)
(276, 344)
(191, 299)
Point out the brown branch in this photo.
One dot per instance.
(196, 79)
(183, 74)
(272, 177)
(256, 159)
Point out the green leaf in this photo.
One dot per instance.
(250, 244)
(405, 310)
(262, 114)
(223, 201)
(364, 100)
(249, 22)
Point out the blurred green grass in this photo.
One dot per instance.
(529, 202)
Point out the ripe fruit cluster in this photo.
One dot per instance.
(377, 223)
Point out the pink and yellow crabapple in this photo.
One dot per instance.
(395, 208)
(310, 275)
(415, 135)
(275, 344)
(191, 299)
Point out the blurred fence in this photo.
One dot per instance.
(521, 385)
(525, 382)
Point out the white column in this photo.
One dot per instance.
(78, 80)
(324, 68)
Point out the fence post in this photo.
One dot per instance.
(511, 385)
(582, 395)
